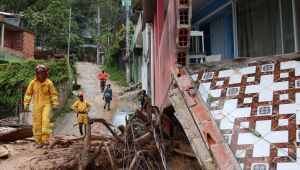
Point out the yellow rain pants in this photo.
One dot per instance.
(82, 108)
(43, 93)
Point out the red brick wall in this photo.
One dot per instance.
(13, 39)
(8, 38)
(28, 43)
(19, 43)
(1, 18)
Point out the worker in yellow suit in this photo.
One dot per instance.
(81, 107)
(43, 92)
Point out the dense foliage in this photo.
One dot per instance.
(15, 76)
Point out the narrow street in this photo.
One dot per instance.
(23, 153)
(87, 78)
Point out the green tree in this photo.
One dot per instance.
(15, 6)
(50, 25)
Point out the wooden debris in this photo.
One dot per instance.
(108, 126)
(109, 155)
(146, 138)
(4, 153)
(191, 155)
(9, 134)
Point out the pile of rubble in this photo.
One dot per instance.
(143, 143)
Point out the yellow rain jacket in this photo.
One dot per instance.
(81, 108)
(43, 93)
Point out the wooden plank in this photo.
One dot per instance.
(13, 134)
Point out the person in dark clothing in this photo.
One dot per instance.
(107, 97)
(142, 100)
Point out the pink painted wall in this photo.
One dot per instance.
(164, 50)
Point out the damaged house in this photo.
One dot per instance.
(228, 70)
(15, 41)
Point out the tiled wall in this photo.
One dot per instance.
(257, 109)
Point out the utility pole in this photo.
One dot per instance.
(127, 41)
(69, 39)
(98, 35)
(2, 41)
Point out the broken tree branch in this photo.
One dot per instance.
(136, 159)
(146, 138)
(87, 139)
(107, 125)
(109, 155)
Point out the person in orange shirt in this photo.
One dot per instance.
(102, 77)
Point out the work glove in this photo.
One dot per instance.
(26, 107)
(54, 107)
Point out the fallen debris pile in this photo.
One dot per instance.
(142, 144)
(139, 145)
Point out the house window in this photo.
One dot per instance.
(287, 26)
(193, 60)
(258, 28)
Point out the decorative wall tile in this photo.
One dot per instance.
(194, 77)
(219, 83)
(260, 166)
(250, 79)
(297, 84)
(242, 166)
(264, 110)
(293, 165)
(244, 125)
(283, 152)
(233, 91)
(266, 88)
(227, 137)
(215, 104)
(248, 100)
(267, 102)
(284, 75)
(291, 65)
(298, 135)
(235, 75)
(283, 122)
(267, 67)
(284, 97)
(240, 153)
(208, 76)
